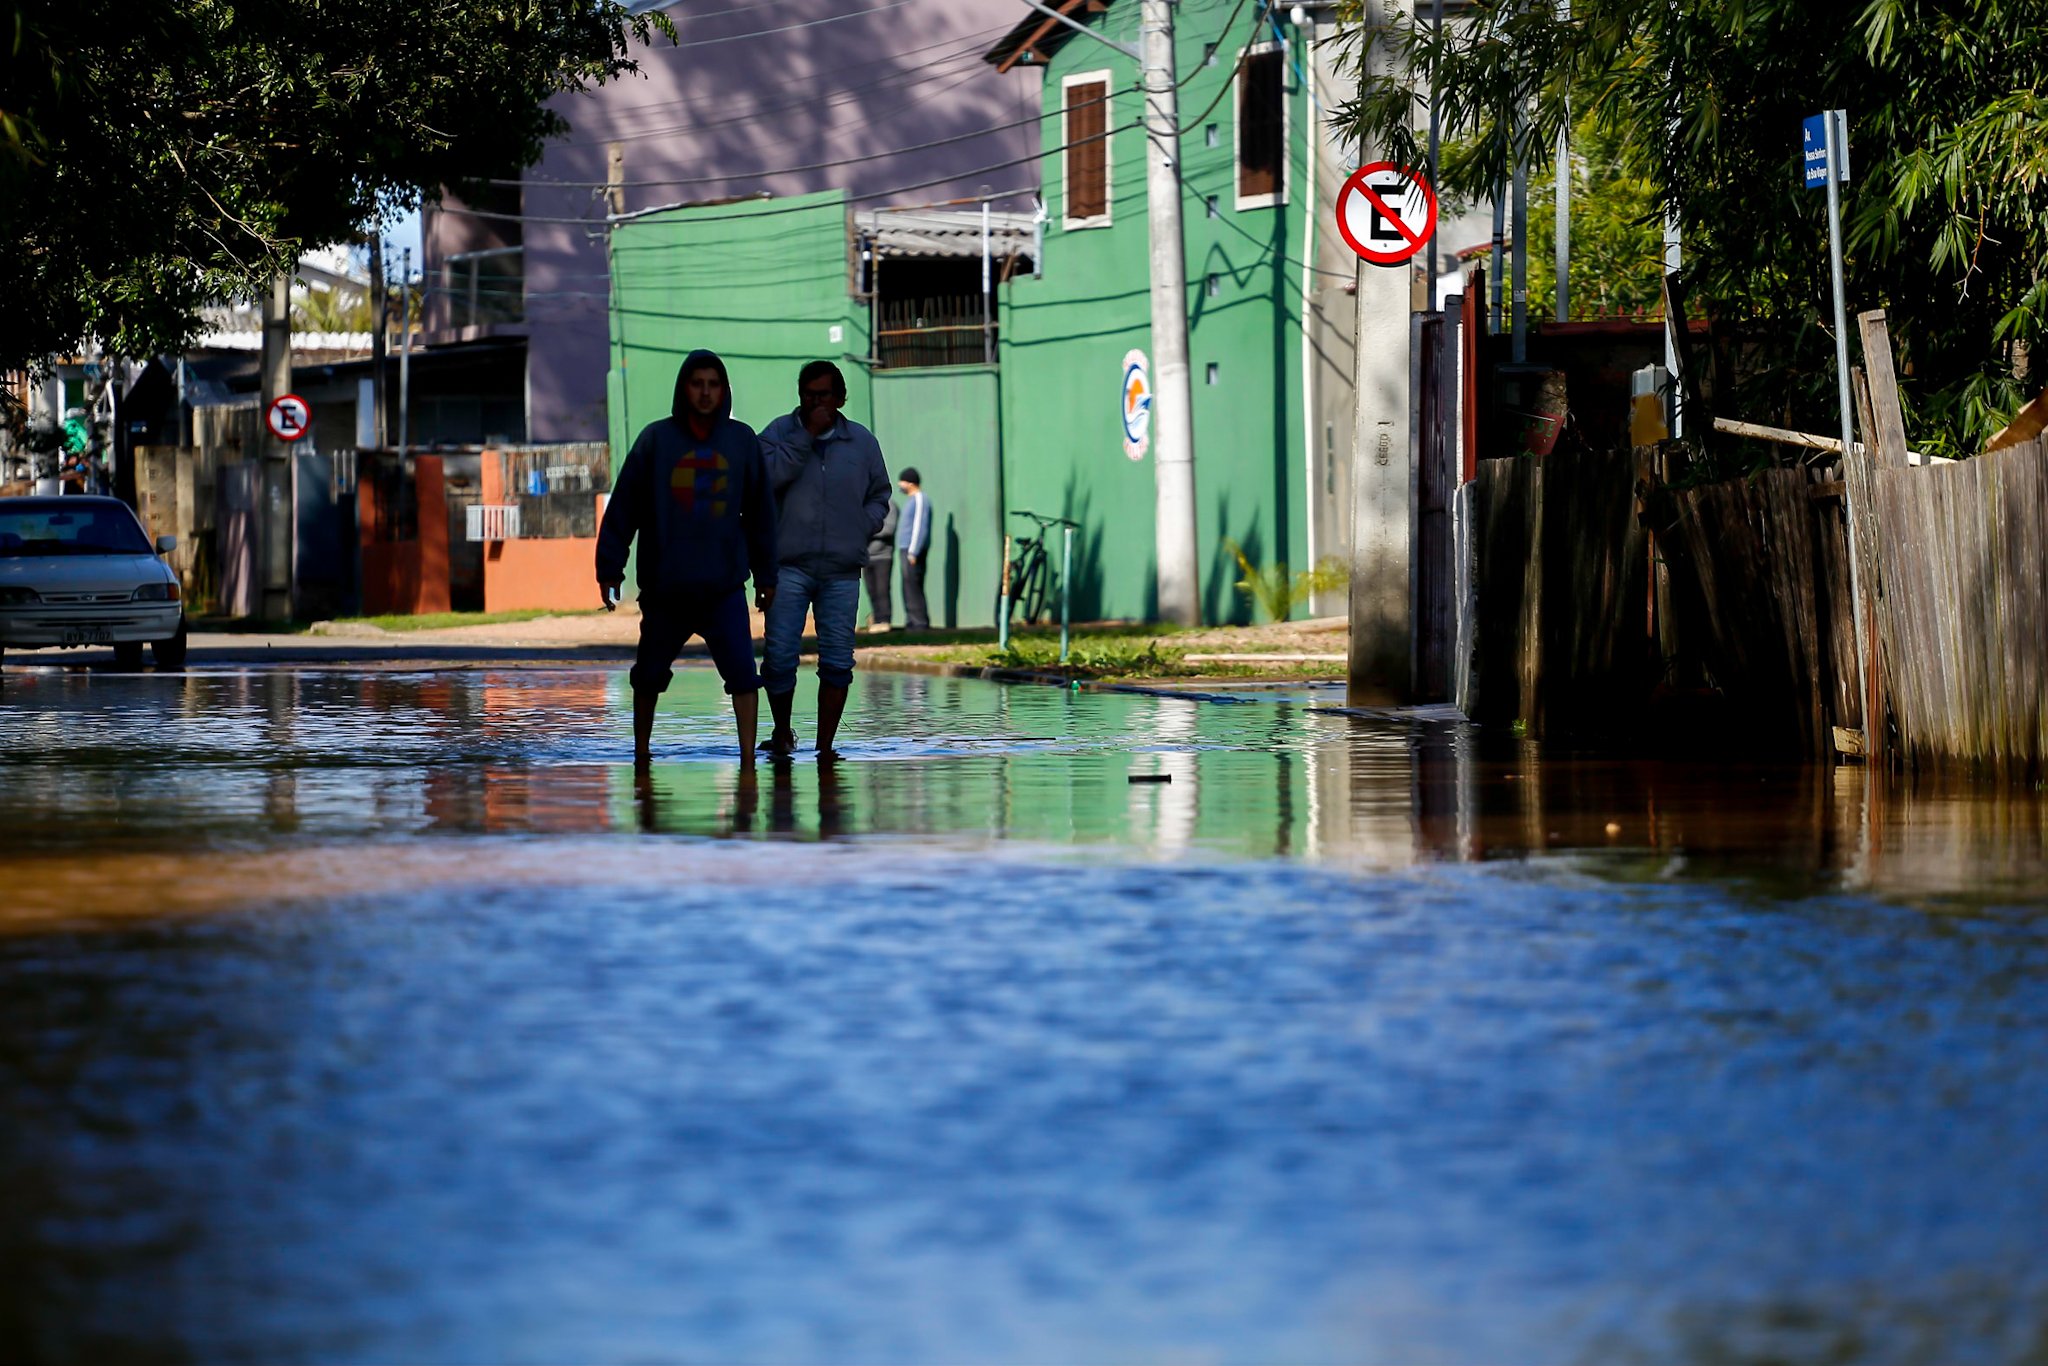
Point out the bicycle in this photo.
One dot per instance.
(1027, 574)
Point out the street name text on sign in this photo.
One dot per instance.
(1386, 213)
(290, 417)
(1813, 151)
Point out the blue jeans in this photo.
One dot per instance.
(833, 602)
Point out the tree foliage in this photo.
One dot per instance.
(1946, 218)
(158, 154)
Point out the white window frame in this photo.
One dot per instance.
(1101, 220)
(1262, 201)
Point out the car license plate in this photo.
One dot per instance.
(87, 635)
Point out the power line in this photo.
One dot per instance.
(814, 166)
(951, 178)
(968, 47)
(791, 28)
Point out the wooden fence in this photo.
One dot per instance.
(1607, 579)
(1565, 639)
(1963, 609)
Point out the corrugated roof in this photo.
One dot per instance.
(942, 232)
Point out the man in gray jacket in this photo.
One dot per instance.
(832, 494)
(881, 564)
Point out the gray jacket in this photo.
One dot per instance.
(831, 494)
(883, 546)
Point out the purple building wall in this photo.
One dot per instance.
(788, 98)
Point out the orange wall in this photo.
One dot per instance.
(556, 575)
(535, 574)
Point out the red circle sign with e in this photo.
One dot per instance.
(289, 417)
(1386, 213)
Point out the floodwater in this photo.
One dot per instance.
(379, 1016)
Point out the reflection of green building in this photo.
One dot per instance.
(895, 297)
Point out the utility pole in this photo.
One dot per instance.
(274, 549)
(1380, 671)
(1172, 391)
(1498, 280)
(405, 353)
(380, 326)
(1564, 197)
(1518, 322)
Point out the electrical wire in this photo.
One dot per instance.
(814, 166)
(968, 48)
(791, 28)
(951, 178)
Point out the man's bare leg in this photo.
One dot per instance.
(831, 706)
(746, 713)
(644, 700)
(782, 739)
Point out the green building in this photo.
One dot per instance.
(1268, 314)
(1024, 407)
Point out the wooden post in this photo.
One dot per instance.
(1888, 437)
(1859, 494)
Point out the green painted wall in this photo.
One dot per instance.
(1064, 335)
(944, 422)
(760, 283)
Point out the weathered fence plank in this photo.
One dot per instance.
(1963, 561)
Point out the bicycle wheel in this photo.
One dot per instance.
(1030, 594)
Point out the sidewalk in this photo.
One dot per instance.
(1108, 651)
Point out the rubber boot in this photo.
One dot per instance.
(831, 706)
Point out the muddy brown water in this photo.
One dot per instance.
(386, 1016)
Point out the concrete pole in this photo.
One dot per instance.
(1173, 436)
(1564, 198)
(1498, 280)
(380, 326)
(1380, 670)
(1563, 226)
(1518, 323)
(1674, 257)
(277, 515)
(1436, 26)
(404, 442)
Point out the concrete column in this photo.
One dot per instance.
(1382, 471)
(275, 512)
(1173, 435)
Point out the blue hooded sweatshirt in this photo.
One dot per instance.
(702, 509)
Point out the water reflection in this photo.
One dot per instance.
(252, 760)
(396, 1017)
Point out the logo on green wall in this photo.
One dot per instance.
(1137, 405)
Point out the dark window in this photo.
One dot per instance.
(1261, 124)
(1087, 149)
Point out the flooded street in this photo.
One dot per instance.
(385, 1016)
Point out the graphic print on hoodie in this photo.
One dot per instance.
(699, 481)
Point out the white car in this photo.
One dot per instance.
(81, 571)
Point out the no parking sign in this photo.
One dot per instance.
(289, 417)
(1386, 213)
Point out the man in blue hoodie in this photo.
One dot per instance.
(831, 496)
(695, 491)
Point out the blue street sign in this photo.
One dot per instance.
(1813, 151)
